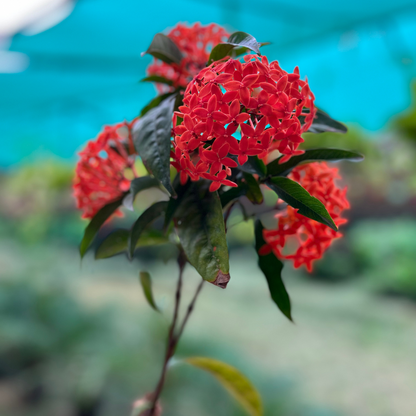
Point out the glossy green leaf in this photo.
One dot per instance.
(151, 137)
(324, 123)
(148, 216)
(242, 50)
(200, 226)
(237, 384)
(238, 41)
(298, 197)
(99, 219)
(272, 268)
(157, 78)
(146, 282)
(117, 242)
(332, 155)
(244, 39)
(137, 185)
(253, 193)
(220, 51)
(156, 101)
(163, 48)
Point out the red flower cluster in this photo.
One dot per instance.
(310, 238)
(195, 42)
(99, 174)
(271, 107)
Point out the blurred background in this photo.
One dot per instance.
(80, 340)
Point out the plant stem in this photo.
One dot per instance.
(172, 338)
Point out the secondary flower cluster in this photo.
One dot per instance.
(100, 173)
(309, 239)
(195, 42)
(271, 108)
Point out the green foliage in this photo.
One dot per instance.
(146, 282)
(200, 226)
(298, 197)
(93, 227)
(157, 78)
(137, 185)
(324, 123)
(235, 382)
(152, 141)
(163, 48)
(333, 155)
(145, 219)
(272, 268)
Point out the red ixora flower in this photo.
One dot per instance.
(195, 42)
(100, 173)
(271, 107)
(306, 239)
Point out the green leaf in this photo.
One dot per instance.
(272, 268)
(242, 50)
(174, 203)
(148, 216)
(232, 194)
(163, 48)
(117, 242)
(220, 51)
(254, 193)
(324, 123)
(137, 185)
(146, 282)
(151, 137)
(298, 197)
(332, 155)
(200, 226)
(235, 382)
(237, 40)
(99, 219)
(158, 79)
(244, 39)
(155, 102)
(253, 165)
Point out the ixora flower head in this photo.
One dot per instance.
(195, 42)
(270, 107)
(309, 239)
(100, 172)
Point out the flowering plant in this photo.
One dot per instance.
(227, 130)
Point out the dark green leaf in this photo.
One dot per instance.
(242, 50)
(272, 268)
(276, 169)
(99, 219)
(298, 197)
(232, 194)
(234, 381)
(146, 282)
(253, 165)
(324, 123)
(156, 101)
(117, 242)
(254, 193)
(220, 51)
(148, 216)
(238, 41)
(158, 79)
(137, 185)
(174, 203)
(201, 230)
(163, 48)
(151, 137)
(246, 40)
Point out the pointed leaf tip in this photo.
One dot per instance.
(221, 280)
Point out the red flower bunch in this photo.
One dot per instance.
(271, 107)
(100, 173)
(195, 42)
(311, 238)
